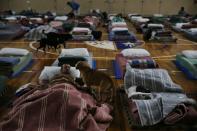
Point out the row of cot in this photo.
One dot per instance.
(151, 29)
(179, 24)
(72, 105)
(149, 96)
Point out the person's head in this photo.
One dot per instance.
(182, 8)
(68, 3)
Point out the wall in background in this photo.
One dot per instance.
(147, 7)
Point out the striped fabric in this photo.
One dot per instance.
(156, 80)
(36, 34)
(61, 107)
(142, 63)
(164, 95)
(154, 110)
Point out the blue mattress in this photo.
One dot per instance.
(2, 84)
(11, 31)
(190, 35)
(117, 70)
(185, 70)
(124, 38)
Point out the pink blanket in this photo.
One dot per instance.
(61, 107)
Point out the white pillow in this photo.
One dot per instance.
(158, 15)
(179, 25)
(13, 51)
(75, 52)
(74, 72)
(135, 53)
(119, 29)
(156, 25)
(119, 23)
(192, 54)
(61, 18)
(143, 20)
(193, 30)
(49, 72)
(80, 29)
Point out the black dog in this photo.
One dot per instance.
(54, 40)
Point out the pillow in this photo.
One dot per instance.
(135, 53)
(75, 52)
(71, 60)
(193, 30)
(74, 72)
(13, 51)
(192, 54)
(119, 29)
(61, 18)
(156, 25)
(49, 72)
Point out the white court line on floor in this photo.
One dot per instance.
(164, 59)
(32, 47)
(30, 71)
(13, 42)
(188, 41)
(158, 57)
(176, 71)
(44, 58)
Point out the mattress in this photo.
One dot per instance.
(11, 31)
(120, 64)
(124, 38)
(25, 61)
(2, 84)
(188, 66)
(83, 37)
(90, 61)
(190, 35)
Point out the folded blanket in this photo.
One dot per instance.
(13, 52)
(71, 60)
(143, 63)
(121, 32)
(9, 60)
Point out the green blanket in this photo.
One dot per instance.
(190, 64)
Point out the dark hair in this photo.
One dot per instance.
(182, 8)
(68, 3)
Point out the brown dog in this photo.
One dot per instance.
(101, 82)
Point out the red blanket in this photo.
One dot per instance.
(61, 107)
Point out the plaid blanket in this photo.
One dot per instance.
(60, 107)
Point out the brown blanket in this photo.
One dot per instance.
(60, 107)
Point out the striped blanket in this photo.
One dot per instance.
(154, 110)
(36, 33)
(156, 80)
(60, 107)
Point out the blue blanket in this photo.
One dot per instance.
(9, 60)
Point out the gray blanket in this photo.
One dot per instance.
(36, 34)
(158, 106)
(156, 80)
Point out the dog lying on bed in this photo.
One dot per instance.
(101, 82)
(54, 40)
